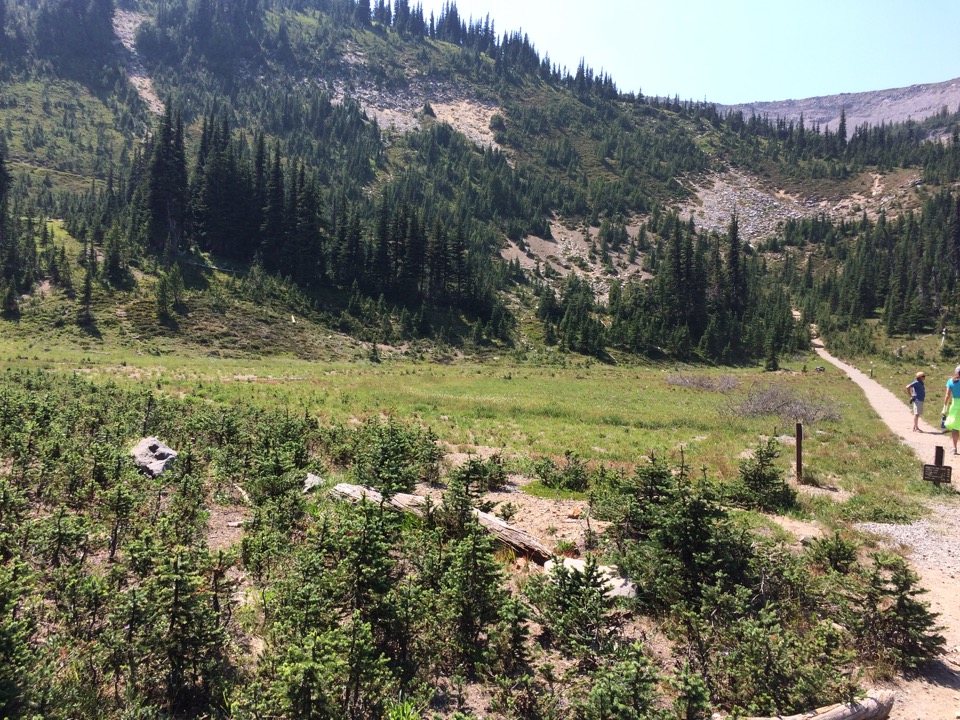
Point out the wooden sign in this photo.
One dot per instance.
(937, 474)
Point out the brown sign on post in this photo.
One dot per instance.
(937, 474)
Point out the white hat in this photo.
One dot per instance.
(957, 370)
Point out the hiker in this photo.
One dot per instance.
(951, 408)
(917, 393)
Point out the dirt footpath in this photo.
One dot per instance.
(935, 553)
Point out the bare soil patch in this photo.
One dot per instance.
(225, 526)
(125, 25)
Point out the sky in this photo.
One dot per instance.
(738, 51)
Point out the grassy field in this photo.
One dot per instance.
(615, 415)
(223, 348)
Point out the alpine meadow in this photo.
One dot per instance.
(475, 380)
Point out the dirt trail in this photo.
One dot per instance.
(933, 553)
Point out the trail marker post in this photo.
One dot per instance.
(938, 473)
(799, 452)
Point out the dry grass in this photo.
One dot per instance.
(784, 403)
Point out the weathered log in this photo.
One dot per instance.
(516, 538)
(875, 706)
(399, 501)
(520, 540)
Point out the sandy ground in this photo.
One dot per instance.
(935, 695)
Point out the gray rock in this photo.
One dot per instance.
(312, 481)
(153, 456)
(616, 585)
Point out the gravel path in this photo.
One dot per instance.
(933, 547)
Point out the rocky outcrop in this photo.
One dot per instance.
(152, 456)
(881, 106)
(615, 585)
(312, 482)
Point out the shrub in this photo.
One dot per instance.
(671, 535)
(480, 475)
(574, 609)
(761, 485)
(572, 475)
(785, 404)
(624, 690)
(393, 457)
(714, 383)
(834, 553)
(757, 662)
(892, 625)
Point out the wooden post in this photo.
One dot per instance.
(938, 473)
(799, 452)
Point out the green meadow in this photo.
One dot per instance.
(615, 415)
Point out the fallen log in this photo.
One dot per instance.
(520, 540)
(875, 706)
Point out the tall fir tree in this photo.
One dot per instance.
(167, 190)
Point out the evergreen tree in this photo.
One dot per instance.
(472, 590)
(4, 185)
(90, 270)
(9, 260)
(736, 281)
(166, 195)
(272, 230)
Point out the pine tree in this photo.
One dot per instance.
(186, 639)
(472, 591)
(625, 690)
(272, 230)
(363, 12)
(736, 281)
(167, 191)
(4, 187)
(9, 250)
(90, 270)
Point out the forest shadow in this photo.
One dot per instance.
(89, 327)
(938, 672)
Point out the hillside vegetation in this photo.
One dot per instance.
(391, 236)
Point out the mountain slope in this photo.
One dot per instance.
(895, 105)
(407, 180)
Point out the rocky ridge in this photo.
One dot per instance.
(895, 105)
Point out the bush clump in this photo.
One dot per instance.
(392, 456)
(571, 475)
(761, 485)
(480, 475)
(785, 404)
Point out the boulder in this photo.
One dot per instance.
(616, 585)
(312, 481)
(153, 456)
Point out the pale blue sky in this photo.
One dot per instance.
(733, 51)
